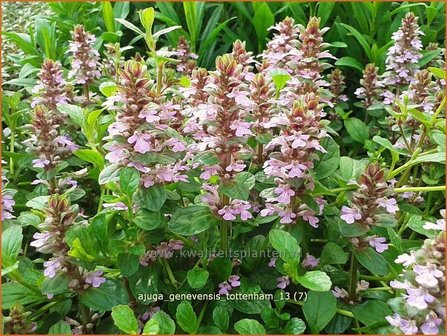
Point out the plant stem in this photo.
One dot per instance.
(224, 227)
(421, 189)
(87, 94)
(170, 274)
(353, 279)
(199, 319)
(339, 311)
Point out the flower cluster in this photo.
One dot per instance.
(337, 86)
(85, 64)
(292, 154)
(341, 293)
(141, 132)
(18, 321)
(220, 125)
(282, 52)
(51, 88)
(371, 200)
(46, 140)
(423, 281)
(226, 286)
(402, 58)
(164, 250)
(7, 201)
(185, 57)
(370, 86)
(59, 218)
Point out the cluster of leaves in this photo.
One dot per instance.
(114, 235)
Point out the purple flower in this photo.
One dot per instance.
(209, 171)
(406, 259)
(283, 282)
(227, 213)
(141, 141)
(234, 281)
(431, 324)
(241, 127)
(296, 169)
(95, 279)
(350, 215)
(427, 276)
(340, 293)
(51, 267)
(419, 297)
(377, 243)
(407, 326)
(41, 239)
(310, 261)
(285, 193)
(287, 217)
(41, 163)
(272, 262)
(389, 204)
(225, 287)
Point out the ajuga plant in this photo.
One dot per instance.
(270, 193)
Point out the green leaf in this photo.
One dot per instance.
(357, 129)
(108, 89)
(109, 174)
(128, 263)
(235, 190)
(151, 198)
(107, 13)
(148, 220)
(333, 254)
(38, 203)
(11, 243)
(428, 56)
(220, 269)
(221, 318)
(372, 261)
(13, 292)
(280, 78)
(249, 327)
(60, 328)
(350, 62)
(125, 319)
(295, 326)
(262, 20)
(165, 324)
(440, 73)
(316, 281)
(129, 180)
(57, 285)
(105, 297)
(329, 161)
(319, 309)
(147, 18)
(286, 245)
(75, 113)
(361, 39)
(91, 156)
(350, 168)
(371, 311)
(197, 277)
(186, 317)
(192, 220)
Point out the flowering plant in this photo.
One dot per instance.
(269, 193)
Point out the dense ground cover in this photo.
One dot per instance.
(210, 168)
